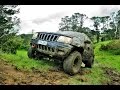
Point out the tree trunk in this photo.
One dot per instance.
(115, 32)
(119, 32)
(98, 36)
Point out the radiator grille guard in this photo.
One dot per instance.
(47, 37)
(46, 48)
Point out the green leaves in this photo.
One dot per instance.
(8, 43)
(72, 23)
(113, 47)
(12, 44)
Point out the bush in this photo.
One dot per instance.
(103, 47)
(11, 45)
(113, 47)
(14, 43)
(24, 46)
(115, 52)
(26, 41)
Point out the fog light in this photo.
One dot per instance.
(33, 46)
(61, 53)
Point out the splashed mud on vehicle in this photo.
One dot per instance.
(70, 48)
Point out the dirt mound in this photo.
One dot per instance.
(113, 75)
(10, 76)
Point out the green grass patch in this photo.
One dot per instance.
(95, 77)
(22, 62)
(106, 58)
(112, 47)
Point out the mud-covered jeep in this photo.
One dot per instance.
(71, 48)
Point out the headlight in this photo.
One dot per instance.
(64, 39)
(34, 36)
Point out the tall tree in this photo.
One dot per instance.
(74, 23)
(105, 22)
(118, 23)
(65, 24)
(77, 20)
(8, 22)
(7, 18)
(113, 23)
(96, 24)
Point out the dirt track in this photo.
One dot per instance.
(113, 75)
(9, 75)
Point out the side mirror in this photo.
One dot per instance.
(87, 41)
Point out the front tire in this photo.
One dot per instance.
(31, 53)
(72, 64)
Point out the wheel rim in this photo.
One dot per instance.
(76, 65)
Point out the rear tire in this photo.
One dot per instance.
(90, 62)
(72, 64)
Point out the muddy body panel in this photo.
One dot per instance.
(46, 43)
(70, 48)
(53, 49)
(79, 39)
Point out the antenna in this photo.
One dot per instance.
(33, 31)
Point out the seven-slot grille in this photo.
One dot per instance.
(45, 48)
(47, 37)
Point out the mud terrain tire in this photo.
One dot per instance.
(31, 53)
(72, 64)
(90, 62)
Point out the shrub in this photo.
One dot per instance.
(113, 47)
(26, 41)
(103, 47)
(24, 46)
(11, 45)
(115, 52)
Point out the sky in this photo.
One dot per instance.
(47, 17)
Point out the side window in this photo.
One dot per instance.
(87, 42)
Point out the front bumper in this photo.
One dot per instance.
(53, 49)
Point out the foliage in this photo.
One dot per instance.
(73, 23)
(107, 25)
(8, 20)
(22, 62)
(112, 47)
(12, 44)
(26, 41)
(88, 76)
(96, 25)
(9, 26)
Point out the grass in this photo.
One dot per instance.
(107, 59)
(102, 59)
(95, 77)
(22, 62)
